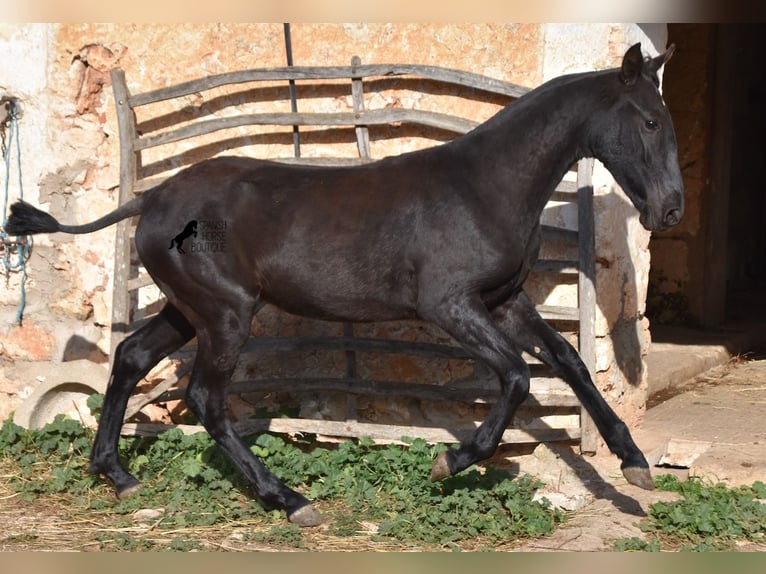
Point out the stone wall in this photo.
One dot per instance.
(71, 166)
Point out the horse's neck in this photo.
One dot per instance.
(530, 145)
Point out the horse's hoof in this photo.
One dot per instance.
(128, 491)
(639, 476)
(440, 468)
(306, 516)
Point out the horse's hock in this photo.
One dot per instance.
(380, 380)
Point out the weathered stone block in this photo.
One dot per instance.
(28, 342)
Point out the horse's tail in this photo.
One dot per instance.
(25, 219)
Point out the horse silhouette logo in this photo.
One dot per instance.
(189, 231)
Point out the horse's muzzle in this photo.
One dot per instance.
(672, 217)
(659, 222)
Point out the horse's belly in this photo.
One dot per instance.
(340, 307)
(343, 294)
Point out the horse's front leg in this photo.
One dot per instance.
(467, 320)
(518, 318)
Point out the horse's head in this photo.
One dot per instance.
(636, 142)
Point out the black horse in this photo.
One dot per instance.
(447, 235)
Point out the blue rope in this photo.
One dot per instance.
(15, 251)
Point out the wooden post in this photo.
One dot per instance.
(357, 95)
(128, 166)
(587, 291)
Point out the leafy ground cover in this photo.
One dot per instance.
(379, 496)
(376, 498)
(707, 517)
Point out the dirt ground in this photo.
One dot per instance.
(715, 423)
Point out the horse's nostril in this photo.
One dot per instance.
(672, 217)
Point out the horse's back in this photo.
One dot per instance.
(322, 241)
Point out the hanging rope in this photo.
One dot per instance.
(15, 251)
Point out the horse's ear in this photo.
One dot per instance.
(659, 61)
(632, 63)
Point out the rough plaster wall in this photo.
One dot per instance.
(76, 175)
(23, 75)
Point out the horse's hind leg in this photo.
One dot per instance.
(219, 342)
(134, 358)
(521, 321)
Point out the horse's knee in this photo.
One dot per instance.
(516, 384)
(209, 409)
(565, 354)
(521, 385)
(196, 400)
(129, 359)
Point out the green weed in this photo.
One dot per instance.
(635, 544)
(188, 476)
(708, 517)
(289, 535)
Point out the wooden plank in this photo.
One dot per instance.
(360, 344)
(564, 267)
(370, 345)
(558, 313)
(563, 196)
(264, 344)
(545, 392)
(139, 401)
(144, 184)
(559, 234)
(567, 187)
(340, 119)
(139, 282)
(378, 432)
(285, 73)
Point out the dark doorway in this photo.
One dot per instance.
(746, 238)
(711, 269)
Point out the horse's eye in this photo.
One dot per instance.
(652, 125)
